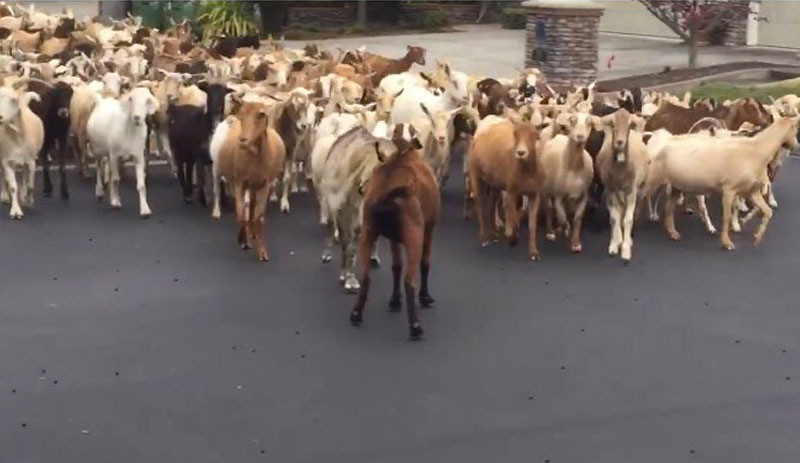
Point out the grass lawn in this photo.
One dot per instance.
(762, 92)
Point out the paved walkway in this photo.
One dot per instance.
(491, 50)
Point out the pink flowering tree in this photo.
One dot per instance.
(692, 20)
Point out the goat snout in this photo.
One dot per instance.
(442, 140)
(63, 113)
(522, 153)
(243, 140)
(2, 119)
(619, 144)
(137, 120)
(580, 138)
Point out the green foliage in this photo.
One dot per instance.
(356, 30)
(230, 19)
(513, 18)
(724, 92)
(427, 20)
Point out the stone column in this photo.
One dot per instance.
(561, 39)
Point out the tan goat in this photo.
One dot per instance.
(249, 160)
(568, 172)
(503, 157)
(729, 165)
(622, 164)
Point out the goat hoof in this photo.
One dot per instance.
(773, 204)
(674, 236)
(244, 246)
(535, 256)
(216, 215)
(326, 258)
(374, 262)
(729, 246)
(512, 240)
(484, 244)
(613, 251)
(187, 199)
(262, 257)
(415, 332)
(351, 285)
(395, 303)
(757, 239)
(425, 300)
(576, 248)
(654, 218)
(355, 318)
(145, 215)
(550, 236)
(712, 231)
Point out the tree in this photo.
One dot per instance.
(693, 20)
(362, 14)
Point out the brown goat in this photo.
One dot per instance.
(503, 157)
(678, 120)
(401, 203)
(249, 161)
(382, 66)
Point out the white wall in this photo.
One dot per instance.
(631, 17)
(783, 28)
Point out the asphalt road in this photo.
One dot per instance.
(125, 340)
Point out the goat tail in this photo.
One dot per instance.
(386, 214)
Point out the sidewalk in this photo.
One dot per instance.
(487, 49)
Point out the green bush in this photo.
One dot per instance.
(428, 20)
(513, 19)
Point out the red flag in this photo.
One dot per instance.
(610, 61)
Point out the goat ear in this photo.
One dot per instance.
(639, 124)
(378, 151)
(152, 106)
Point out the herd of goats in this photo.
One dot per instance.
(373, 139)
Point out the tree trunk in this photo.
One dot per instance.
(484, 9)
(693, 37)
(362, 14)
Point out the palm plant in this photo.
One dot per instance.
(227, 19)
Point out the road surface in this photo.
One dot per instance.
(158, 341)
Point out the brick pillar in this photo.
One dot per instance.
(561, 40)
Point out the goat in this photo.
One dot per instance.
(247, 154)
(401, 203)
(622, 164)
(21, 139)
